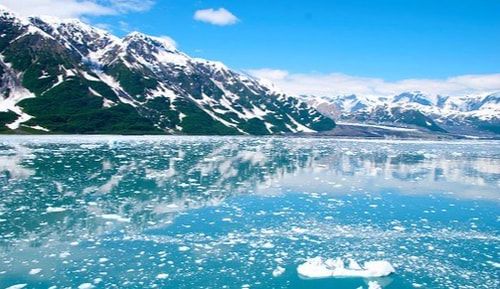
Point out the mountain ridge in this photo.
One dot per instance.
(65, 76)
(462, 115)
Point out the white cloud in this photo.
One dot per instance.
(219, 17)
(76, 8)
(341, 84)
(169, 40)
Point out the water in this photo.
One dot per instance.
(212, 212)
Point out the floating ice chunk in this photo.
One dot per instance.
(319, 268)
(268, 245)
(35, 271)
(85, 286)
(115, 217)
(374, 285)
(55, 209)
(162, 276)
(399, 228)
(278, 271)
(17, 286)
(184, 248)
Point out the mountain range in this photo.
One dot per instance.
(64, 76)
(413, 112)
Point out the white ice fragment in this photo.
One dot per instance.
(399, 228)
(17, 286)
(278, 271)
(35, 271)
(162, 276)
(85, 286)
(319, 268)
(268, 245)
(115, 217)
(184, 248)
(55, 209)
(374, 285)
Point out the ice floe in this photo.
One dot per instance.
(374, 285)
(326, 268)
(17, 286)
(55, 209)
(278, 271)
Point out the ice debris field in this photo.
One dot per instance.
(202, 212)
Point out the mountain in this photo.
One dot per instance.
(64, 76)
(434, 114)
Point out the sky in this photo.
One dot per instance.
(318, 47)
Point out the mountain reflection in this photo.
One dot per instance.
(82, 186)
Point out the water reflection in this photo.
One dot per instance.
(68, 185)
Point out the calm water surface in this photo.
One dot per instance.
(211, 212)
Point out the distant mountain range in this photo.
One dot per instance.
(413, 113)
(64, 76)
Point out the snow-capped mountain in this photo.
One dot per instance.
(470, 115)
(64, 76)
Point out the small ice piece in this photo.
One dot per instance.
(374, 285)
(278, 271)
(162, 276)
(184, 248)
(35, 271)
(115, 217)
(64, 254)
(268, 245)
(17, 286)
(319, 268)
(85, 286)
(55, 209)
(399, 228)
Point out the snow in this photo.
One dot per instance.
(87, 76)
(299, 126)
(94, 92)
(319, 268)
(393, 128)
(37, 127)
(17, 94)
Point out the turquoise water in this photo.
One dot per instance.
(219, 212)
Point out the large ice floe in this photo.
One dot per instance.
(327, 268)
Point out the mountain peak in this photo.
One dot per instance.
(164, 43)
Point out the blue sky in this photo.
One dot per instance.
(378, 38)
(454, 43)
